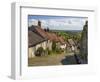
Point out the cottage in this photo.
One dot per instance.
(34, 42)
(38, 37)
(72, 44)
(55, 37)
(62, 43)
(41, 32)
(68, 47)
(50, 37)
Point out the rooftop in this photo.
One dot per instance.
(34, 39)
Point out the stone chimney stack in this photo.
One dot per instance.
(39, 23)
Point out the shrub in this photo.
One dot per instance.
(59, 51)
(48, 52)
(54, 46)
(40, 51)
(56, 49)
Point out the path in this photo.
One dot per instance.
(62, 59)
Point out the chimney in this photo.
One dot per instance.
(39, 23)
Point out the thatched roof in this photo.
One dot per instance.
(71, 42)
(49, 35)
(41, 32)
(32, 28)
(61, 40)
(46, 35)
(38, 30)
(34, 39)
(55, 37)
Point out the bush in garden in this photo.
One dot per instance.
(59, 51)
(40, 51)
(48, 52)
(54, 46)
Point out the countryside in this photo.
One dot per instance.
(54, 44)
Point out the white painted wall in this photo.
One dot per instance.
(63, 46)
(31, 52)
(5, 39)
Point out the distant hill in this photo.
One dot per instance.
(66, 30)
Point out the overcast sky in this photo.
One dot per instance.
(58, 22)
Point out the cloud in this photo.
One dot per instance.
(32, 22)
(61, 24)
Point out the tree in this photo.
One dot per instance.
(83, 43)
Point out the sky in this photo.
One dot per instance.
(58, 22)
